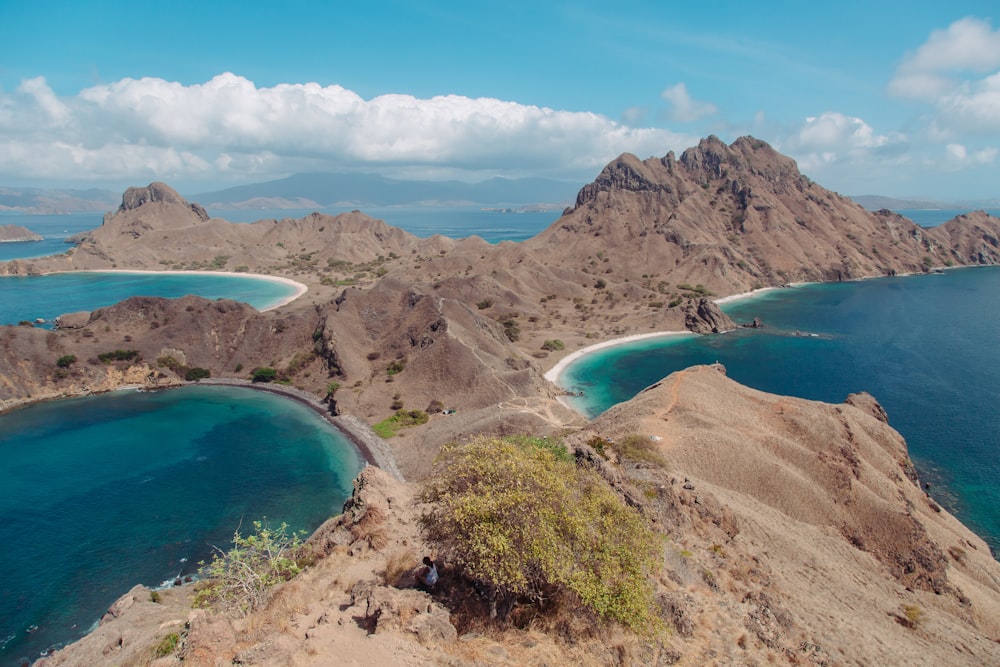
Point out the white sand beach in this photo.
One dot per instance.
(300, 288)
(554, 373)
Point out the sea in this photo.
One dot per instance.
(103, 492)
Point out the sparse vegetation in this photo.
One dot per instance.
(526, 524)
(484, 304)
(119, 355)
(167, 645)
(553, 345)
(239, 581)
(395, 367)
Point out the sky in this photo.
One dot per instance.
(893, 98)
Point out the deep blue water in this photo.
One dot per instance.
(100, 493)
(925, 346)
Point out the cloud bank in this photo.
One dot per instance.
(228, 128)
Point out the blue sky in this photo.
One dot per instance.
(891, 98)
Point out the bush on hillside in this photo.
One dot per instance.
(523, 522)
(239, 581)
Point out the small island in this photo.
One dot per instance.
(12, 233)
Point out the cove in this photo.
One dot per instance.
(100, 493)
(27, 298)
(924, 346)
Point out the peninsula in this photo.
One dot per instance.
(798, 531)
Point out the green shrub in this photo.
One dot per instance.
(553, 345)
(195, 374)
(239, 581)
(523, 523)
(263, 374)
(167, 645)
(118, 355)
(66, 360)
(484, 304)
(395, 367)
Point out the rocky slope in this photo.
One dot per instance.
(795, 533)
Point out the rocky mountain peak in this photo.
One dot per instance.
(135, 198)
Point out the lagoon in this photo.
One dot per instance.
(102, 492)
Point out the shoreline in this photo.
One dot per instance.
(373, 449)
(554, 374)
(300, 288)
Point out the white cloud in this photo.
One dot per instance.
(684, 108)
(829, 144)
(227, 127)
(958, 156)
(956, 71)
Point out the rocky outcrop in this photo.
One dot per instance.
(17, 233)
(706, 317)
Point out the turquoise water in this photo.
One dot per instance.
(100, 493)
(47, 297)
(925, 346)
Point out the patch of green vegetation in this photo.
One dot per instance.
(553, 345)
(66, 360)
(387, 428)
(263, 374)
(118, 355)
(167, 645)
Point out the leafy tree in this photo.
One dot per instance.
(239, 581)
(524, 522)
(66, 360)
(196, 373)
(263, 374)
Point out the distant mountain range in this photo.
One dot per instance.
(876, 202)
(321, 190)
(55, 201)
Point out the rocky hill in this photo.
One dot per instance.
(795, 533)
(800, 534)
(17, 233)
(742, 216)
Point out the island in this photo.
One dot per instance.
(14, 233)
(792, 531)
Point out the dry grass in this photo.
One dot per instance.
(398, 564)
(371, 529)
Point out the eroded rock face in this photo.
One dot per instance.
(707, 317)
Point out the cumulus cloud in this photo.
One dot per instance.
(833, 137)
(959, 156)
(683, 108)
(149, 127)
(956, 70)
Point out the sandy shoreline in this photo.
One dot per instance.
(300, 288)
(555, 373)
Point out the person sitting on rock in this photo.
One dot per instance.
(429, 575)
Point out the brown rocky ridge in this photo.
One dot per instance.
(797, 532)
(10, 233)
